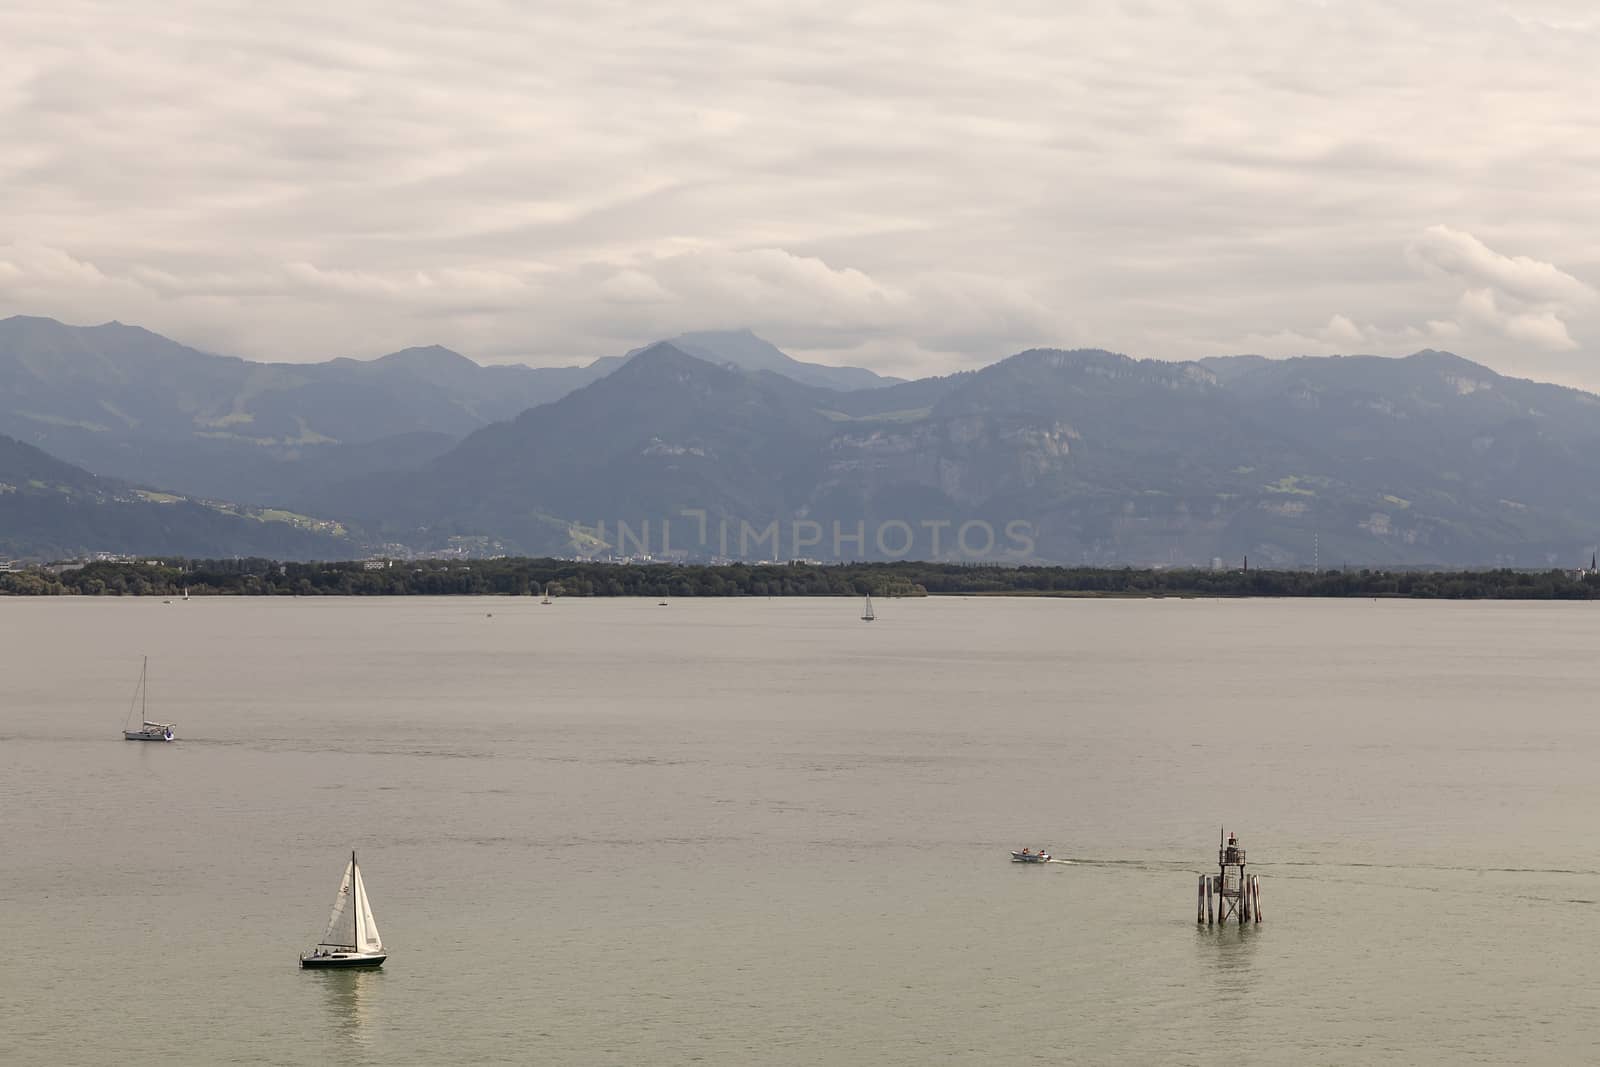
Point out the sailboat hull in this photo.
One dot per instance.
(344, 959)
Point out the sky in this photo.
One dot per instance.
(916, 187)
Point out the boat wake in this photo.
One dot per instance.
(1158, 866)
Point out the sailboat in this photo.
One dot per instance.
(186, 592)
(351, 939)
(148, 731)
(546, 599)
(867, 614)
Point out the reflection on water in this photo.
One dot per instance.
(351, 999)
(1228, 947)
(1227, 953)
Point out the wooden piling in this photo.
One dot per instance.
(1209, 883)
(1200, 900)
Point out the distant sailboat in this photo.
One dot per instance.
(148, 731)
(186, 592)
(867, 614)
(351, 939)
(546, 599)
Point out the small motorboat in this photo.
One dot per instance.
(1026, 856)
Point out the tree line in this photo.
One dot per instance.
(532, 577)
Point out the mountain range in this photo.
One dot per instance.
(54, 510)
(131, 404)
(720, 445)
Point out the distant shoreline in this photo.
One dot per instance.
(534, 577)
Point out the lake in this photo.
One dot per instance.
(765, 832)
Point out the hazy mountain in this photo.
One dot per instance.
(1097, 457)
(743, 350)
(1102, 458)
(1432, 454)
(664, 431)
(746, 351)
(128, 403)
(52, 509)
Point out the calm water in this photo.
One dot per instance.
(764, 832)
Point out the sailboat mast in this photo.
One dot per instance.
(358, 935)
(144, 693)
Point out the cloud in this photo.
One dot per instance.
(1342, 330)
(1461, 256)
(1517, 298)
(823, 309)
(633, 287)
(35, 275)
(921, 183)
(1481, 307)
(1522, 299)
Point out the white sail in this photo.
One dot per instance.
(357, 911)
(367, 939)
(341, 932)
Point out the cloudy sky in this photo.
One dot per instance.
(912, 186)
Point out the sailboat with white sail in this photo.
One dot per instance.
(351, 939)
(148, 730)
(546, 599)
(867, 614)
